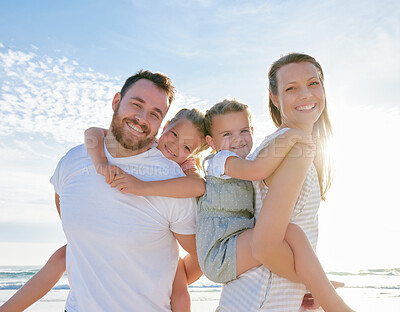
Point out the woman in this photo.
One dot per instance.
(297, 101)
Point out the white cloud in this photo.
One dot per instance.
(51, 96)
(57, 98)
(45, 105)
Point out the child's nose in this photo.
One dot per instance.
(236, 139)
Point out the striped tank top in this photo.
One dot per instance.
(259, 289)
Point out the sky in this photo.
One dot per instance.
(62, 62)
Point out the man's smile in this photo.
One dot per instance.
(135, 127)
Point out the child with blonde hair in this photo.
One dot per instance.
(225, 232)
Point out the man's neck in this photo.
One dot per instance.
(117, 150)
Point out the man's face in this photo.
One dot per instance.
(138, 115)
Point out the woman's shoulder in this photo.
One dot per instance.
(268, 140)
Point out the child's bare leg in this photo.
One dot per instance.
(244, 259)
(180, 297)
(39, 285)
(310, 271)
(284, 266)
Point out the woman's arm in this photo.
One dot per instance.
(268, 244)
(268, 159)
(39, 285)
(283, 247)
(192, 185)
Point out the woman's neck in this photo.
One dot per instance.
(306, 128)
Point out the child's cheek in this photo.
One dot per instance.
(226, 144)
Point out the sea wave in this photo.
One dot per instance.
(12, 278)
(380, 272)
(5, 274)
(14, 286)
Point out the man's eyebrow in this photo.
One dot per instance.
(159, 111)
(138, 99)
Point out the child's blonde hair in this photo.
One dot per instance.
(322, 128)
(221, 108)
(196, 117)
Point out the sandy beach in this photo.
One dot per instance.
(54, 301)
(207, 300)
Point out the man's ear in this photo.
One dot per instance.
(275, 100)
(210, 142)
(116, 99)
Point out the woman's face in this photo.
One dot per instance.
(300, 98)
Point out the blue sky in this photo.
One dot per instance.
(62, 62)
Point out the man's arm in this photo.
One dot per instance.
(192, 267)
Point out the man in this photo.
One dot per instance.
(122, 252)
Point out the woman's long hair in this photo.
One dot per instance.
(322, 130)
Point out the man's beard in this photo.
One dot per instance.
(126, 139)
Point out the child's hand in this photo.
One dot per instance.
(108, 171)
(311, 150)
(308, 151)
(300, 136)
(309, 303)
(126, 183)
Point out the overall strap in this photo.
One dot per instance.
(204, 161)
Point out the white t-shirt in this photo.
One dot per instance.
(121, 252)
(215, 166)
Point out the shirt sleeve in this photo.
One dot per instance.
(183, 220)
(56, 179)
(216, 165)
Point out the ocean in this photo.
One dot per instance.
(366, 290)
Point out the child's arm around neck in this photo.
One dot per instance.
(192, 185)
(268, 160)
(94, 138)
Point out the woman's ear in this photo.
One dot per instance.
(116, 99)
(275, 100)
(210, 142)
